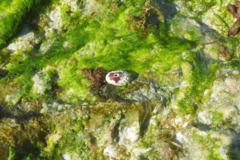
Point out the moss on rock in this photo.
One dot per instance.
(184, 100)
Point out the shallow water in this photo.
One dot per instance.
(179, 50)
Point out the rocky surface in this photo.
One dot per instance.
(183, 103)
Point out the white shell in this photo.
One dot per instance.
(117, 78)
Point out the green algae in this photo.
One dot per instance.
(72, 141)
(113, 50)
(122, 53)
(203, 76)
(12, 17)
(12, 153)
(4, 5)
(114, 40)
(19, 137)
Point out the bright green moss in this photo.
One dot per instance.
(107, 40)
(214, 154)
(71, 142)
(12, 17)
(11, 154)
(107, 43)
(202, 79)
(23, 71)
(4, 4)
(217, 118)
(70, 145)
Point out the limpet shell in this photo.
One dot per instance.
(117, 78)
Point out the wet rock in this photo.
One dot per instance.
(223, 102)
(194, 140)
(13, 98)
(169, 112)
(27, 41)
(40, 85)
(44, 80)
(93, 7)
(186, 28)
(3, 73)
(18, 138)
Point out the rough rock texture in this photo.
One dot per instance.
(55, 104)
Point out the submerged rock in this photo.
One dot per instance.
(39, 85)
(26, 42)
(223, 100)
(3, 73)
(43, 81)
(57, 104)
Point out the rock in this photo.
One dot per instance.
(224, 99)
(43, 81)
(56, 103)
(3, 73)
(25, 42)
(40, 85)
(13, 98)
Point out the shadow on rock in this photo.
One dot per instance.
(168, 9)
(234, 149)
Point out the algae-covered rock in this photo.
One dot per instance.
(19, 137)
(44, 80)
(223, 100)
(54, 100)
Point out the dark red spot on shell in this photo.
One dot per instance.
(116, 79)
